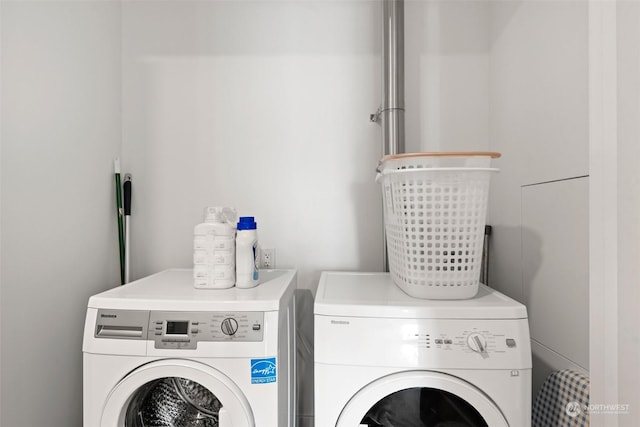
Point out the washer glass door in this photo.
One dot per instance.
(173, 401)
(176, 392)
(420, 399)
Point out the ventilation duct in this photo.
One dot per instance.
(392, 109)
(391, 112)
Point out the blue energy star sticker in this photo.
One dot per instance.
(263, 370)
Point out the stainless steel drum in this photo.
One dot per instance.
(173, 402)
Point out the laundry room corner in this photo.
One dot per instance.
(273, 108)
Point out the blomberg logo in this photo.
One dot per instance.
(340, 322)
(112, 316)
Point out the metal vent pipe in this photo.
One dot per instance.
(392, 110)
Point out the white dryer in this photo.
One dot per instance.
(158, 352)
(383, 358)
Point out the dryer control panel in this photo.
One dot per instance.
(424, 343)
(180, 329)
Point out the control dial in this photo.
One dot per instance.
(477, 343)
(229, 326)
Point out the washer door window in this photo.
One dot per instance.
(171, 402)
(171, 393)
(420, 399)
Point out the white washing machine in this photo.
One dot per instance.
(158, 352)
(383, 358)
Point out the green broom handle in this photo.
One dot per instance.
(120, 218)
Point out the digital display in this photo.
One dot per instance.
(177, 328)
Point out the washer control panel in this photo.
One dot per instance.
(180, 329)
(185, 329)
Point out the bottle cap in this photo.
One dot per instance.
(247, 223)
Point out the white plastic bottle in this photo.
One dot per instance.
(247, 274)
(214, 249)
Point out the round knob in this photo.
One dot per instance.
(229, 326)
(477, 343)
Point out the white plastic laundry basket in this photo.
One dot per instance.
(435, 207)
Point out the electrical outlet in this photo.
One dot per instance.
(268, 258)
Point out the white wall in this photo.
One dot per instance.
(60, 128)
(539, 121)
(615, 209)
(447, 75)
(628, 25)
(258, 105)
(1, 135)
